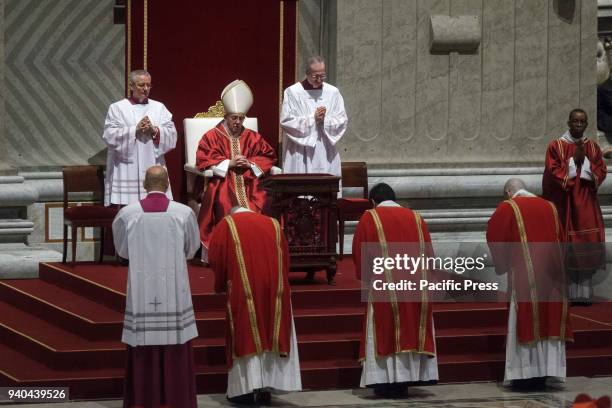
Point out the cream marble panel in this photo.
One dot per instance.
(497, 124)
(359, 75)
(309, 26)
(563, 66)
(531, 70)
(432, 90)
(465, 95)
(398, 68)
(588, 78)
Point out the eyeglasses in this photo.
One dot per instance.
(318, 76)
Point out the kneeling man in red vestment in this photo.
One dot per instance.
(574, 170)
(250, 257)
(158, 236)
(525, 236)
(239, 158)
(397, 344)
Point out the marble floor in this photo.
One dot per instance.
(473, 395)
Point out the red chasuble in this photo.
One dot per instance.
(250, 258)
(536, 272)
(239, 187)
(576, 200)
(399, 326)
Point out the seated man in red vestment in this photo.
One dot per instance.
(397, 344)
(238, 157)
(525, 235)
(250, 258)
(573, 172)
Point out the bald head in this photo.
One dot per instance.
(512, 186)
(156, 179)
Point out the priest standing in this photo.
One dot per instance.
(313, 120)
(250, 258)
(524, 235)
(239, 158)
(157, 236)
(397, 344)
(574, 170)
(138, 131)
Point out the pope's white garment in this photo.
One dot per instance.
(400, 367)
(128, 158)
(307, 146)
(544, 358)
(266, 371)
(158, 309)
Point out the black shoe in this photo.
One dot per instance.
(391, 390)
(529, 384)
(244, 399)
(263, 397)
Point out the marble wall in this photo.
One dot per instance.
(499, 105)
(63, 65)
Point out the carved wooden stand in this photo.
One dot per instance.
(305, 204)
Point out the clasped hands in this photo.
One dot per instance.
(145, 128)
(239, 162)
(319, 114)
(579, 152)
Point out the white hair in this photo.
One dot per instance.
(136, 73)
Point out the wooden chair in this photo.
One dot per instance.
(354, 174)
(81, 179)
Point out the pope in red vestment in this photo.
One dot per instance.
(250, 258)
(573, 172)
(525, 237)
(400, 329)
(239, 158)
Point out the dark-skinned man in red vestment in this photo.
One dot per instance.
(573, 172)
(238, 157)
(397, 344)
(525, 236)
(250, 258)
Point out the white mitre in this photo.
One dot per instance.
(237, 98)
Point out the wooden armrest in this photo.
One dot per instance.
(193, 169)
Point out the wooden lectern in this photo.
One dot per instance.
(305, 205)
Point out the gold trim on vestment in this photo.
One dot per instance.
(530, 274)
(424, 300)
(280, 288)
(145, 19)
(389, 278)
(239, 185)
(281, 38)
(245, 283)
(230, 319)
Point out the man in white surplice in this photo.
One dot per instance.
(313, 121)
(138, 131)
(158, 235)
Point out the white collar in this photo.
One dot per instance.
(523, 193)
(388, 203)
(567, 136)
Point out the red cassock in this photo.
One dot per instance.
(250, 258)
(525, 237)
(577, 203)
(238, 188)
(399, 326)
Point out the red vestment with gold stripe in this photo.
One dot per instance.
(250, 258)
